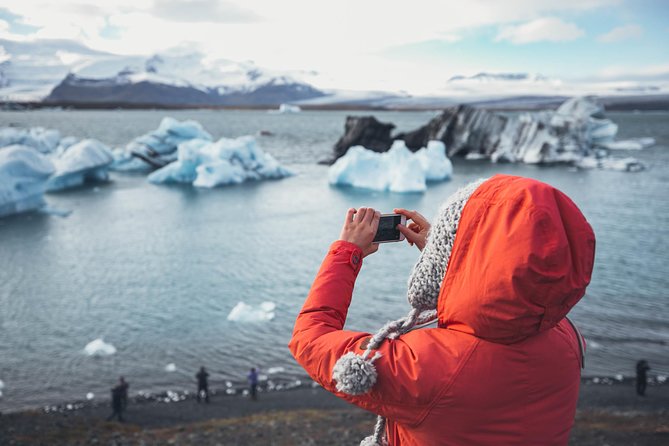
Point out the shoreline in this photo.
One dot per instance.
(607, 414)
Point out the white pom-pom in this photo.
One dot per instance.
(354, 374)
(369, 441)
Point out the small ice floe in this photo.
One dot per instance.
(661, 379)
(243, 312)
(171, 367)
(99, 347)
(49, 210)
(90, 396)
(273, 370)
(619, 377)
(397, 170)
(287, 108)
(594, 344)
(630, 144)
(2, 386)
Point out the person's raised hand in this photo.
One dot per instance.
(416, 231)
(360, 228)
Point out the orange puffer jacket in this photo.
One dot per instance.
(503, 365)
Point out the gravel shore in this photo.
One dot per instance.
(607, 415)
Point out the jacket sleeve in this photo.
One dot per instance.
(319, 340)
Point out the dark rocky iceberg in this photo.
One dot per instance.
(577, 132)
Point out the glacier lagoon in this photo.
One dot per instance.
(156, 271)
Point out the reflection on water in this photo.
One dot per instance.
(155, 270)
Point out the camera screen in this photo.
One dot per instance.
(387, 228)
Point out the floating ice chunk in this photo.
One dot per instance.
(99, 347)
(433, 158)
(171, 367)
(243, 312)
(183, 170)
(39, 138)
(2, 385)
(628, 164)
(630, 144)
(24, 172)
(273, 370)
(661, 379)
(90, 396)
(224, 162)
(87, 160)
(62, 213)
(288, 108)
(158, 147)
(397, 170)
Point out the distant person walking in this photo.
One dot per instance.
(642, 368)
(123, 385)
(117, 403)
(253, 383)
(202, 384)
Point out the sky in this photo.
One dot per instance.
(374, 45)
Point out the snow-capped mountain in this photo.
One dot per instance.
(68, 72)
(499, 77)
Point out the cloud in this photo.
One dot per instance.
(547, 29)
(192, 11)
(647, 72)
(619, 33)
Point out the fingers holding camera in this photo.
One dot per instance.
(416, 231)
(360, 228)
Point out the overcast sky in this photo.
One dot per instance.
(370, 44)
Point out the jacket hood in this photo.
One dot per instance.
(522, 257)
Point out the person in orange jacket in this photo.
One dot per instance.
(500, 268)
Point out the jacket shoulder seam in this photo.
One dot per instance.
(449, 384)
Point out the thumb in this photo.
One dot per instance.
(410, 235)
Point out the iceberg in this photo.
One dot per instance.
(158, 148)
(576, 130)
(171, 367)
(289, 108)
(39, 138)
(90, 396)
(24, 172)
(397, 170)
(81, 162)
(243, 312)
(227, 161)
(99, 347)
(273, 370)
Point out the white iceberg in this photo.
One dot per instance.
(81, 162)
(171, 367)
(289, 108)
(39, 138)
(397, 170)
(99, 347)
(243, 312)
(273, 370)
(226, 161)
(24, 172)
(158, 147)
(90, 396)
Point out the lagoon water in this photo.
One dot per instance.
(155, 270)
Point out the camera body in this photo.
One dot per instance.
(387, 231)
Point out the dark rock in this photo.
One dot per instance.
(462, 128)
(364, 131)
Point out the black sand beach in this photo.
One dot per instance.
(607, 414)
